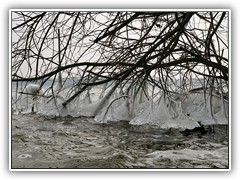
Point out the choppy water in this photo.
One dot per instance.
(48, 142)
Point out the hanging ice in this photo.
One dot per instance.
(203, 114)
(221, 116)
(117, 110)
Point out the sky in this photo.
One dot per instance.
(195, 22)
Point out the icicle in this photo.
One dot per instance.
(156, 115)
(93, 109)
(203, 115)
(58, 86)
(117, 113)
(185, 122)
(221, 116)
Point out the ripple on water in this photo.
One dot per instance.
(82, 143)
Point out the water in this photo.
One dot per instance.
(51, 142)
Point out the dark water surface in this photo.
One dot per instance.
(49, 142)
